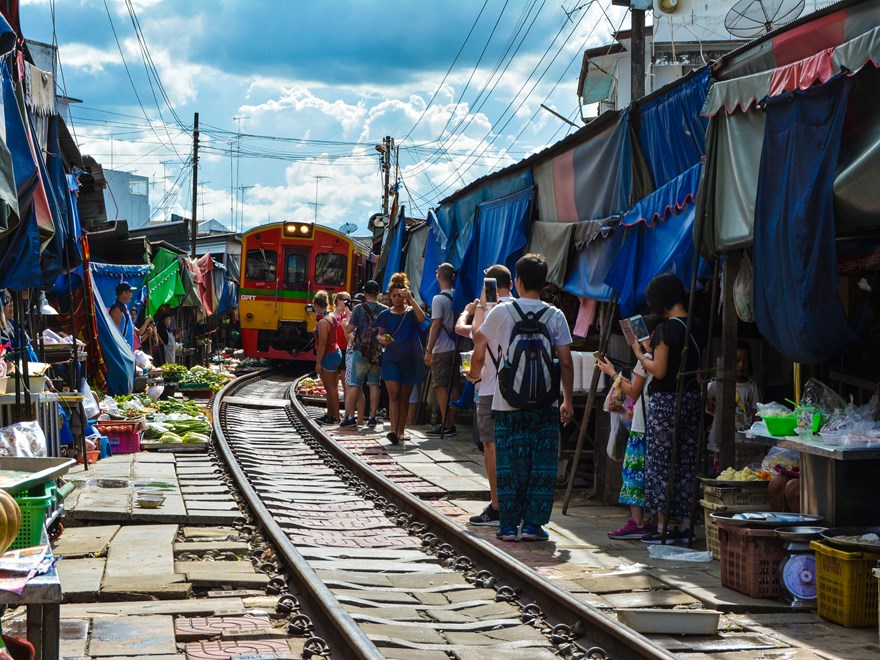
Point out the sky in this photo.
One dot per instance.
(294, 95)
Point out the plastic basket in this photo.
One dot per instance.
(846, 593)
(34, 509)
(712, 539)
(755, 496)
(750, 560)
(781, 425)
(124, 437)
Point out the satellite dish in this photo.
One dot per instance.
(667, 6)
(748, 19)
(348, 228)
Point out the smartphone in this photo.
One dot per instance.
(490, 286)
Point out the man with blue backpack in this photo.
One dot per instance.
(534, 367)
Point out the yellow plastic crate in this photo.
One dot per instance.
(846, 592)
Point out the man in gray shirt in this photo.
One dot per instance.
(440, 352)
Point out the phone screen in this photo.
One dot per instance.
(490, 286)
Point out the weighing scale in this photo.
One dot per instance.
(797, 572)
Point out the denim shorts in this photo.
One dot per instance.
(363, 372)
(331, 361)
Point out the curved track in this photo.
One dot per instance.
(379, 572)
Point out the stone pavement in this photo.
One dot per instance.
(613, 574)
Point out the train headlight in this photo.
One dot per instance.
(298, 229)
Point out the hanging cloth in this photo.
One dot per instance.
(797, 304)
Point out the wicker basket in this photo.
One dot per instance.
(756, 494)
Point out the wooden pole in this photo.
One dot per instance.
(604, 336)
(725, 399)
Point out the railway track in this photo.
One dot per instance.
(373, 571)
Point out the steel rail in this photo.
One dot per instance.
(593, 628)
(337, 628)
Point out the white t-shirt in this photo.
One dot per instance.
(489, 374)
(638, 421)
(499, 324)
(441, 308)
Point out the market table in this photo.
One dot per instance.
(42, 596)
(44, 409)
(840, 483)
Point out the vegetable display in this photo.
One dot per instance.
(10, 520)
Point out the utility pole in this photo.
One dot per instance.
(317, 181)
(240, 219)
(385, 149)
(195, 195)
(637, 44)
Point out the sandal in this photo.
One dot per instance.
(392, 437)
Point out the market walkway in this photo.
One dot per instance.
(613, 574)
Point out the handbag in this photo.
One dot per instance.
(615, 400)
(617, 437)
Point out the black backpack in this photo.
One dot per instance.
(529, 376)
(367, 344)
(462, 344)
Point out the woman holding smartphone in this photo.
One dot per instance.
(402, 363)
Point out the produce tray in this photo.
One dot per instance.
(18, 474)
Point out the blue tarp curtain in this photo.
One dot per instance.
(672, 133)
(648, 251)
(118, 356)
(51, 259)
(395, 250)
(224, 289)
(590, 267)
(457, 217)
(20, 248)
(797, 305)
(436, 250)
(106, 276)
(671, 198)
(500, 234)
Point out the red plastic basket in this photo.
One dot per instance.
(750, 560)
(124, 436)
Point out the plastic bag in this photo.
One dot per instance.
(743, 291)
(90, 405)
(678, 553)
(618, 436)
(787, 458)
(816, 393)
(772, 409)
(615, 400)
(24, 440)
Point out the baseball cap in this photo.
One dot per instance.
(359, 297)
(371, 287)
(122, 287)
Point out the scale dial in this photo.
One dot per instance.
(798, 576)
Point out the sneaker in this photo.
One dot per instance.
(489, 517)
(327, 420)
(533, 533)
(673, 535)
(446, 433)
(372, 422)
(507, 534)
(348, 421)
(631, 530)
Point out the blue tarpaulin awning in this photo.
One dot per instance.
(499, 237)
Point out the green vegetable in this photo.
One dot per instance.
(170, 438)
(192, 437)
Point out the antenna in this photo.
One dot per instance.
(748, 19)
(348, 228)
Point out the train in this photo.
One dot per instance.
(283, 265)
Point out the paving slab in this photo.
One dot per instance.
(141, 559)
(208, 574)
(201, 547)
(81, 579)
(415, 634)
(220, 567)
(186, 607)
(214, 533)
(132, 636)
(108, 504)
(195, 505)
(172, 510)
(256, 648)
(211, 517)
(84, 541)
(198, 628)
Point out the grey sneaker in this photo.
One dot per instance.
(489, 518)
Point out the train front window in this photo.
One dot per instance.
(330, 269)
(295, 266)
(260, 265)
